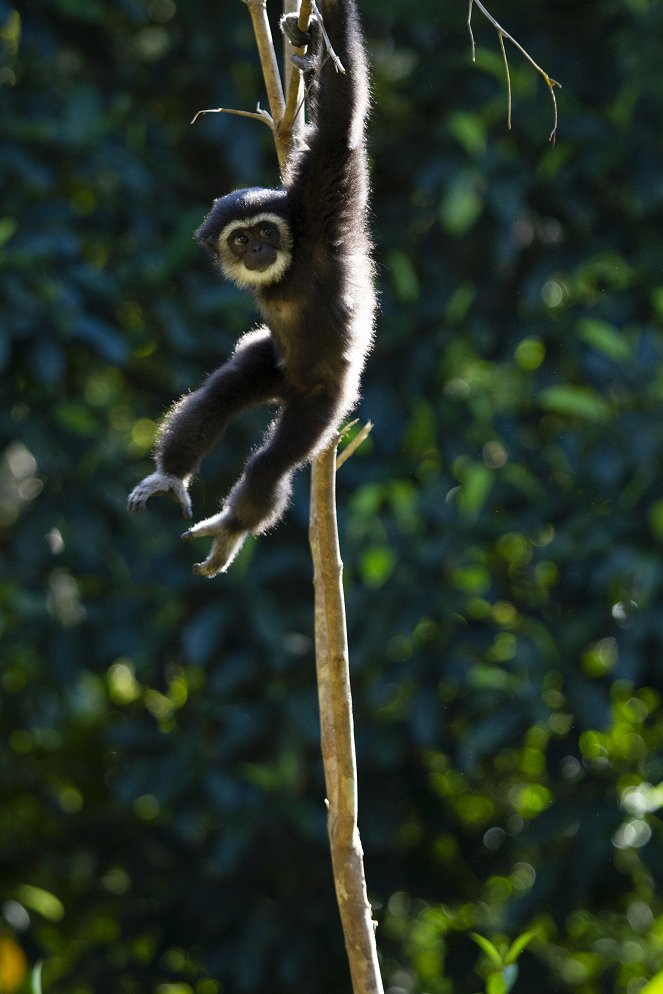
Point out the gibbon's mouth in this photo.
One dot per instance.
(260, 267)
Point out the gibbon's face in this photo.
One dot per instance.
(255, 251)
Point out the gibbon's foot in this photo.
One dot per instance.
(303, 62)
(160, 483)
(290, 28)
(227, 543)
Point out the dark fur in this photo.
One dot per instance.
(309, 355)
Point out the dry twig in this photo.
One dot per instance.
(502, 34)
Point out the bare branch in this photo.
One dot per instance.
(469, 28)
(270, 70)
(502, 34)
(508, 82)
(258, 114)
(352, 446)
(294, 87)
(337, 733)
(293, 117)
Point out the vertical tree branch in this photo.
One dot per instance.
(270, 71)
(294, 84)
(332, 664)
(337, 731)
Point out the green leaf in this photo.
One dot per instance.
(77, 418)
(519, 944)
(377, 564)
(475, 487)
(657, 299)
(655, 516)
(35, 979)
(578, 402)
(82, 10)
(502, 981)
(7, 228)
(403, 276)
(655, 985)
(41, 901)
(496, 984)
(491, 951)
(605, 338)
(462, 204)
(469, 131)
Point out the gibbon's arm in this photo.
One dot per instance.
(326, 179)
(339, 100)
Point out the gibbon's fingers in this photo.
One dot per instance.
(290, 28)
(210, 526)
(225, 547)
(227, 543)
(160, 483)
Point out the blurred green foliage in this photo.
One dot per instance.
(161, 820)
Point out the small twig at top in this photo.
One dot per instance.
(352, 446)
(469, 28)
(508, 82)
(502, 34)
(258, 114)
(293, 117)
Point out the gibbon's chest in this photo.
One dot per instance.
(302, 337)
(283, 316)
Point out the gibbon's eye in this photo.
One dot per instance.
(239, 238)
(267, 231)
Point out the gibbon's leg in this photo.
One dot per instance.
(260, 496)
(197, 421)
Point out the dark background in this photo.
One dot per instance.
(162, 828)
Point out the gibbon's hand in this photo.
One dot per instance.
(227, 543)
(161, 483)
(290, 27)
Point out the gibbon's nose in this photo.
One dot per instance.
(257, 249)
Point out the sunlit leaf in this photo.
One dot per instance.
(491, 951)
(7, 228)
(604, 338)
(578, 402)
(519, 944)
(41, 901)
(496, 984)
(462, 204)
(35, 979)
(377, 564)
(476, 484)
(403, 276)
(655, 985)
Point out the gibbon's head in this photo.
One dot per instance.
(248, 232)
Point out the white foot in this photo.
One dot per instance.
(227, 543)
